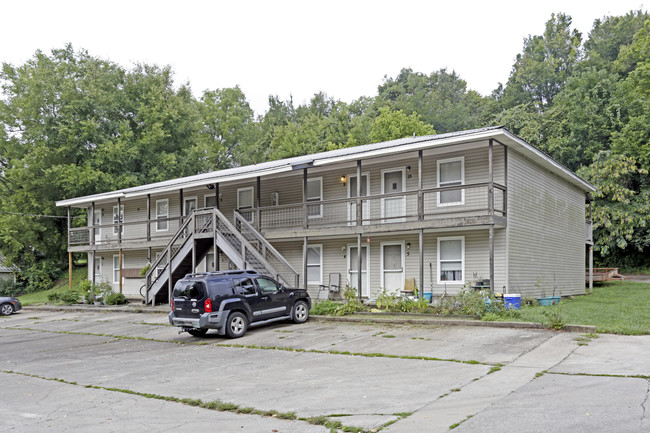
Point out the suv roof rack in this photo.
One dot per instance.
(217, 273)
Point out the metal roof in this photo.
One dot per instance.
(336, 156)
(4, 268)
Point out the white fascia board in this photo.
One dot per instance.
(429, 143)
(78, 201)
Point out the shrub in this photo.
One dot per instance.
(9, 288)
(352, 302)
(115, 299)
(324, 308)
(67, 297)
(386, 300)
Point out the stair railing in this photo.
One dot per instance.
(268, 251)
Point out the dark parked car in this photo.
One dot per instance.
(9, 305)
(233, 301)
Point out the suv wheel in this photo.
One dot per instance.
(300, 312)
(197, 332)
(236, 325)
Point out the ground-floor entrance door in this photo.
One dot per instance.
(353, 268)
(392, 266)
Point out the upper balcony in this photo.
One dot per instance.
(431, 208)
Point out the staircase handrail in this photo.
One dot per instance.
(156, 262)
(240, 219)
(217, 214)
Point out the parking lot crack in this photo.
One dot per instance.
(645, 402)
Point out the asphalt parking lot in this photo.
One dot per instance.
(105, 372)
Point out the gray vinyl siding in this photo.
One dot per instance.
(546, 231)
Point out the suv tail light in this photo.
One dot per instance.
(172, 304)
(208, 305)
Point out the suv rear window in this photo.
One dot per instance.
(244, 286)
(189, 289)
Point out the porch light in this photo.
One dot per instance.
(343, 179)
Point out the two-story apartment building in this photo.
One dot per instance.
(444, 209)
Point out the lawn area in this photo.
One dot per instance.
(78, 274)
(613, 308)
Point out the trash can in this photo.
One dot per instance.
(512, 300)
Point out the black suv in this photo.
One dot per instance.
(231, 301)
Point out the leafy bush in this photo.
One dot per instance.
(9, 288)
(554, 319)
(115, 299)
(386, 300)
(327, 308)
(66, 297)
(352, 302)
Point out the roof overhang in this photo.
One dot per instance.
(324, 159)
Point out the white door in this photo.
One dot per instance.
(392, 182)
(392, 265)
(190, 205)
(97, 221)
(353, 266)
(98, 270)
(352, 205)
(245, 202)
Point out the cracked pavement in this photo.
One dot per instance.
(402, 378)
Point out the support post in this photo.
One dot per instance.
(216, 193)
(119, 221)
(491, 211)
(182, 208)
(214, 223)
(92, 224)
(591, 268)
(421, 259)
(169, 277)
(258, 204)
(121, 258)
(359, 201)
(69, 226)
(305, 246)
(505, 180)
(149, 221)
(304, 198)
(359, 277)
(69, 270)
(420, 185)
(93, 277)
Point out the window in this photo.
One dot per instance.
(116, 268)
(315, 194)
(162, 213)
(118, 219)
(245, 202)
(161, 265)
(451, 172)
(211, 200)
(451, 259)
(244, 286)
(314, 264)
(267, 285)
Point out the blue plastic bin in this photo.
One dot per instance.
(428, 296)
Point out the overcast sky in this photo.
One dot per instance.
(344, 48)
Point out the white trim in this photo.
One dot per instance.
(381, 262)
(367, 271)
(205, 199)
(462, 180)
(365, 204)
(320, 198)
(462, 259)
(239, 208)
(320, 264)
(161, 216)
(121, 217)
(98, 230)
(116, 269)
(403, 198)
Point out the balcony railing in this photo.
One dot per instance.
(400, 207)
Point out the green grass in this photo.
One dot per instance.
(78, 274)
(612, 308)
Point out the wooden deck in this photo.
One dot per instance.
(605, 274)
